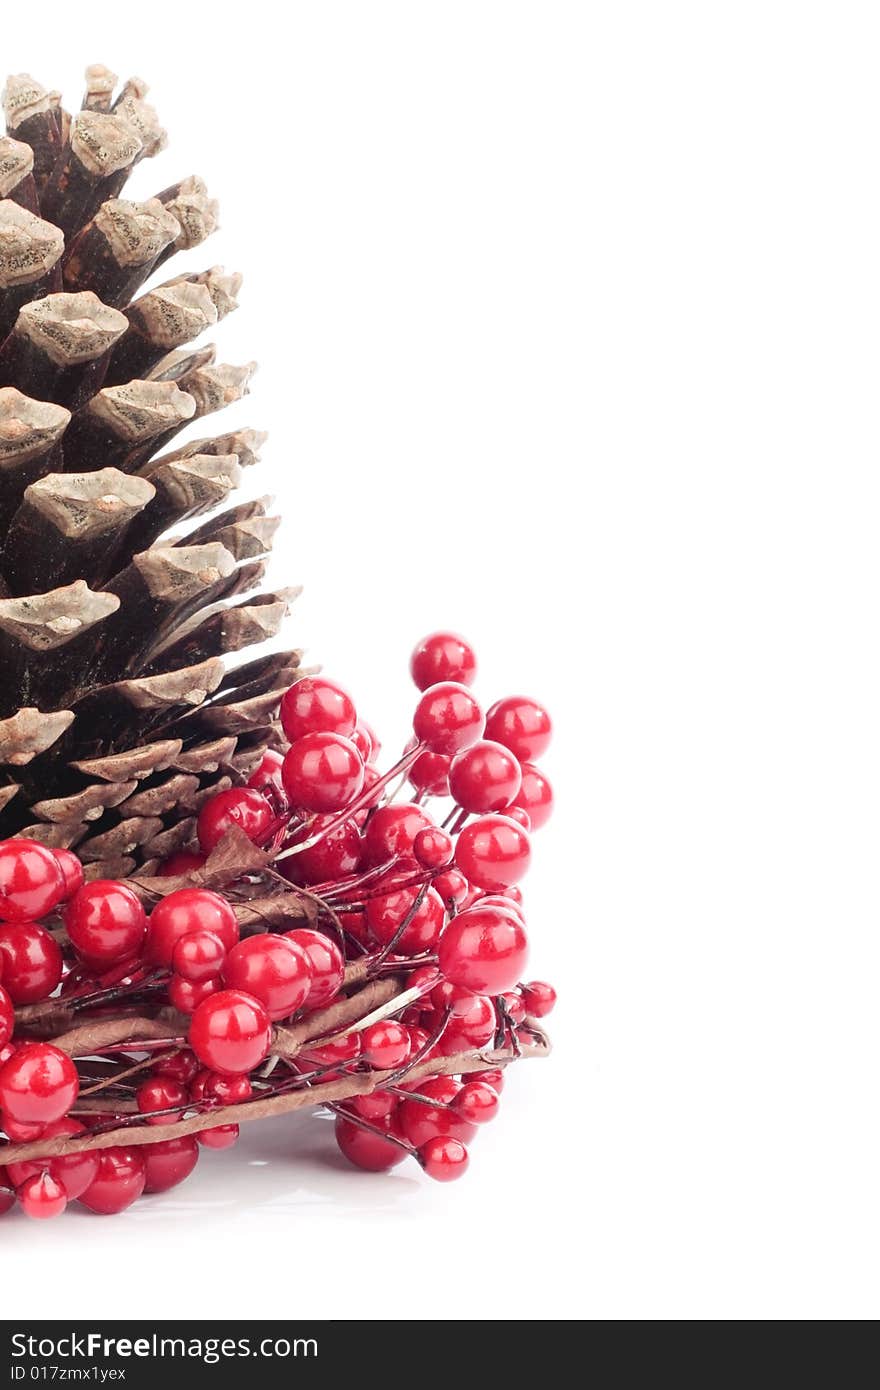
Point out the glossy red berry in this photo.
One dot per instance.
(335, 856)
(386, 913)
(493, 852)
(391, 833)
(535, 796)
(75, 1172)
(120, 1180)
(218, 1136)
(187, 995)
(430, 773)
(274, 970)
(239, 806)
(452, 887)
(447, 718)
(433, 848)
(71, 869)
(186, 911)
(7, 1017)
(365, 1149)
(520, 816)
(522, 725)
(315, 705)
(323, 772)
(177, 865)
(444, 1159)
(42, 1196)
(106, 922)
(477, 1102)
(326, 961)
(230, 1032)
(513, 1005)
(226, 1090)
(378, 1107)
(493, 1077)
(181, 1066)
(443, 656)
(32, 883)
(420, 1122)
(335, 1054)
(161, 1093)
(363, 742)
(538, 998)
(501, 901)
(38, 1084)
(483, 949)
(472, 1025)
(485, 777)
(167, 1163)
(385, 1045)
(268, 774)
(198, 956)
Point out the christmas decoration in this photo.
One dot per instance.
(214, 906)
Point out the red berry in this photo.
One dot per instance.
(161, 1093)
(198, 956)
(7, 1197)
(519, 815)
(120, 1181)
(501, 901)
(31, 881)
(485, 777)
(443, 656)
(230, 1032)
(42, 1196)
(365, 1149)
(71, 869)
(335, 856)
(471, 1026)
(391, 833)
(274, 970)
(346, 1049)
(447, 718)
(106, 922)
(476, 1102)
(493, 852)
(75, 1172)
(326, 960)
(385, 1045)
(218, 1136)
(241, 806)
(181, 1066)
(386, 913)
(227, 1090)
(430, 773)
(433, 848)
(493, 1077)
(514, 1006)
(363, 742)
(169, 1162)
(420, 1123)
(539, 998)
(522, 725)
(187, 995)
(484, 950)
(378, 1107)
(315, 705)
(452, 886)
(38, 1084)
(176, 865)
(323, 772)
(7, 1017)
(268, 774)
(186, 911)
(444, 1159)
(21, 1133)
(535, 796)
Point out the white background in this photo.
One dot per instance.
(567, 317)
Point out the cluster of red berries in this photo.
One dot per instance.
(435, 904)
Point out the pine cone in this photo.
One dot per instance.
(119, 713)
